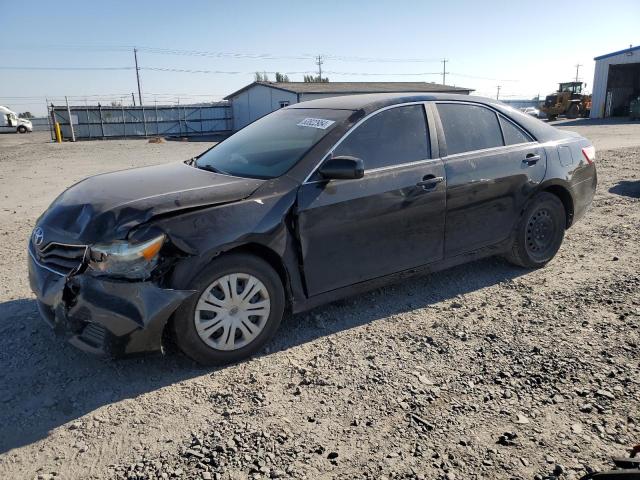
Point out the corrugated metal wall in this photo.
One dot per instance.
(257, 101)
(104, 122)
(601, 77)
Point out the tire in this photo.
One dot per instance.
(539, 233)
(22, 129)
(551, 117)
(573, 111)
(199, 346)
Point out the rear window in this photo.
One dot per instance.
(469, 127)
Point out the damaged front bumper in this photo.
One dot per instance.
(102, 315)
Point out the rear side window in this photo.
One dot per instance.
(391, 137)
(469, 127)
(512, 134)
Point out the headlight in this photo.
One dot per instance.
(126, 259)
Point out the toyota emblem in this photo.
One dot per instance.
(38, 236)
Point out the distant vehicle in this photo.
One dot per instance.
(568, 100)
(533, 111)
(10, 122)
(311, 203)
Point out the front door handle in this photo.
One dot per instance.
(429, 182)
(531, 159)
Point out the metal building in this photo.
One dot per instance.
(259, 98)
(616, 82)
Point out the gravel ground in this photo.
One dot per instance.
(482, 371)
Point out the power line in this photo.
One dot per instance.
(381, 59)
(226, 72)
(474, 77)
(2, 67)
(205, 53)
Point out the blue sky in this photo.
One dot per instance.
(526, 47)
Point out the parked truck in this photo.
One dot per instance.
(10, 122)
(568, 100)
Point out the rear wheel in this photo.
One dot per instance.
(551, 117)
(539, 233)
(238, 308)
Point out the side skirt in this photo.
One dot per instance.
(302, 305)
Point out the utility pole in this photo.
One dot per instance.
(135, 56)
(444, 71)
(73, 134)
(498, 93)
(319, 62)
(577, 65)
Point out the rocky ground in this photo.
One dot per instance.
(482, 371)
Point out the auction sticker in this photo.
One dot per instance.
(316, 123)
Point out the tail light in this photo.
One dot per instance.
(589, 154)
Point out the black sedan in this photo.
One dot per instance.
(311, 203)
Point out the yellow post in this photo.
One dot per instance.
(58, 132)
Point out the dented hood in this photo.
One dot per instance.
(107, 206)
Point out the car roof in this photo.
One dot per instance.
(370, 102)
(373, 101)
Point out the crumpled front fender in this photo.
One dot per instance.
(104, 315)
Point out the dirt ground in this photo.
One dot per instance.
(482, 371)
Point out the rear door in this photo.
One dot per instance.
(390, 220)
(492, 167)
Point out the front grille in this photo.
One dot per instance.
(61, 258)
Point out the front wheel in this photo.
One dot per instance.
(22, 129)
(238, 308)
(574, 111)
(539, 233)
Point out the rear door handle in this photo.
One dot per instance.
(429, 182)
(531, 159)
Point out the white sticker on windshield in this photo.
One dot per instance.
(316, 123)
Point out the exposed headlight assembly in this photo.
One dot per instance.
(126, 259)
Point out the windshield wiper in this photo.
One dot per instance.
(209, 168)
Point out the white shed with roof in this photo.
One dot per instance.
(259, 98)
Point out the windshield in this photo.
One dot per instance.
(270, 146)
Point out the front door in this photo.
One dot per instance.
(390, 220)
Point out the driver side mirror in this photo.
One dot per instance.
(342, 168)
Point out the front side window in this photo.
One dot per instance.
(469, 127)
(392, 137)
(512, 134)
(270, 146)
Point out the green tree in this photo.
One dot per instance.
(315, 79)
(26, 115)
(282, 78)
(261, 77)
